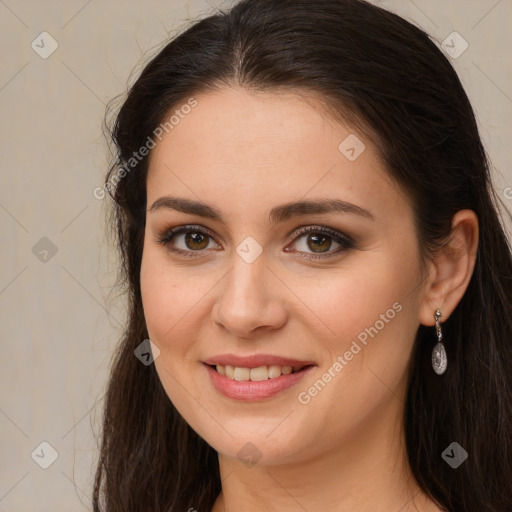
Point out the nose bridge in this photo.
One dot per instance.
(246, 287)
(248, 299)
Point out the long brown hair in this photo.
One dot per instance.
(377, 70)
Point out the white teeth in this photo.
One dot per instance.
(253, 374)
(230, 371)
(274, 371)
(286, 370)
(258, 374)
(241, 373)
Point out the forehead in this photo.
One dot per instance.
(243, 151)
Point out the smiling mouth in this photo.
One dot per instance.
(261, 373)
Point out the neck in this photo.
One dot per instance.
(367, 472)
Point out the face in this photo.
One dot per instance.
(234, 273)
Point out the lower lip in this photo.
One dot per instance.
(248, 390)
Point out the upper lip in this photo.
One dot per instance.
(257, 360)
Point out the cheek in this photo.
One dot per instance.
(369, 315)
(175, 301)
(373, 315)
(169, 313)
(360, 298)
(165, 295)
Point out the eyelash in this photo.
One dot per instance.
(344, 241)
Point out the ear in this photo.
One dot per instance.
(451, 268)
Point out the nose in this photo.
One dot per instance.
(249, 300)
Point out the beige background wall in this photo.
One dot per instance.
(59, 320)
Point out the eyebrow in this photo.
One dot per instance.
(277, 214)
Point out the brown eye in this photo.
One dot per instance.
(196, 241)
(319, 243)
(187, 240)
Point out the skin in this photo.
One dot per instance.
(243, 154)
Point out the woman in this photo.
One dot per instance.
(311, 242)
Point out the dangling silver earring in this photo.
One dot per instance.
(439, 357)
